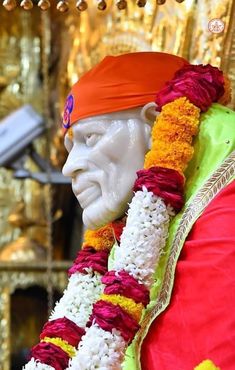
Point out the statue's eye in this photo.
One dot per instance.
(92, 139)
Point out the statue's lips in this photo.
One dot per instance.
(87, 196)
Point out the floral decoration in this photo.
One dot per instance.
(106, 307)
(62, 333)
(202, 85)
(63, 328)
(50, 354)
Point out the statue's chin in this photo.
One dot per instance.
(98, 216)
(93, 222)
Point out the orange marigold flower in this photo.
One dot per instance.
(181, 106)
(174, 155)
(168, 123)
(172, 135)
(99, 239)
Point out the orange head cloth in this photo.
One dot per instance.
(118, 83)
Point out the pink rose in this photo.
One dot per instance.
(202, 85)
(64, 329)
(124, 284)
(109, 317)
(88, 257)
(50, 354)
(164, 182)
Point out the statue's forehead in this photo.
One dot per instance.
(95, 123)
(102, 121)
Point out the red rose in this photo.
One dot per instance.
(89, 257)
(109, 316)
(124, 284)
(164, 182)
(202, 85)
(64, 329)
(50, 354)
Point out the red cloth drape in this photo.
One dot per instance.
(199, 323)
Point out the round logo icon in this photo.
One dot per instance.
(216, 25)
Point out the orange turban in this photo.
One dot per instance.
(118, 83)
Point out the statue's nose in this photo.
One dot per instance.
(76, 161)
(74, 165)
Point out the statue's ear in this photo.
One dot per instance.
(148, 113)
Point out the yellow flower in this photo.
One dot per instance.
(127, 304)
(99, 239)
(63, 344)
(206, 365)
(172, 136)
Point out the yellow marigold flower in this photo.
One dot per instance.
(206, 365)
(170, 130)
(100, 239)
(181, 106)
(172, 135)
(174, 155)
(63, 344)
(127, 304)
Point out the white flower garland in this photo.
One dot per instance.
(99, 350)
(77, 300)
(143, 238)
(36, 365)
(142, 243)
(75, 304)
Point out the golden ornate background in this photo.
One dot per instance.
(41, 55)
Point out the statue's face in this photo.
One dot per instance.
(104, 154)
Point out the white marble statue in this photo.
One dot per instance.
(104, 154)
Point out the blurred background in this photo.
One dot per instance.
(45, 47)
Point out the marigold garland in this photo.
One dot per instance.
(100, 239)
(172, 148)
(127, 304)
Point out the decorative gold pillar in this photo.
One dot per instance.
(21, 275)
(4, 325)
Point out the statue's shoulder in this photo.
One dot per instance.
(219, 114)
